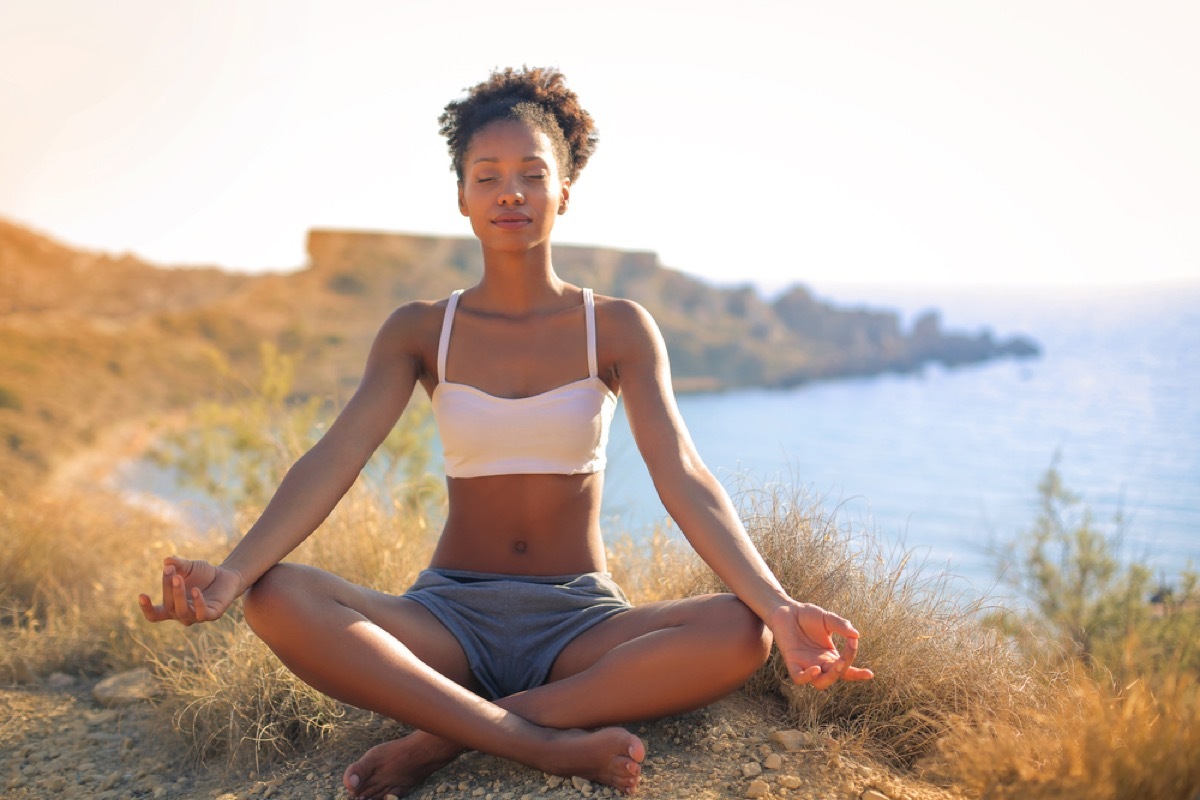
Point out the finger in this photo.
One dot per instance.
(150, 611)
(849, 651)
(182, 612)
(857, 674)
(199, 607)
(840, 625)
(803, 676)
(827, 677)
(168, 592)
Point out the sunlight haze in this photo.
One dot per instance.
(860, 143)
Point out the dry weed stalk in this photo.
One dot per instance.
(1099, 742)
(934, 662)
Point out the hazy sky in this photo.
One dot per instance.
(925, 142)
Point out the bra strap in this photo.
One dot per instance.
(444, 341)
(589, 304)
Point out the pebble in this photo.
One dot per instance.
(85, 749)
(790, 740)
(125, 688)
(60, 680)
(757, 788)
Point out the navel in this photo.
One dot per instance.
(519, 547)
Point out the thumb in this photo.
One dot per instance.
(840, 625)
(181, 565)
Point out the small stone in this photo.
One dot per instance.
(789, 781)
(751, 769)
(59, 680)
(773, 761)
(110, 780)
(757, 788)
(790, 740)
(554, 781)
(391, 797)
(125, 688)
(873, 794)
(56, 783)
(581, 784)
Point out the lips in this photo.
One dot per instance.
(511, 220)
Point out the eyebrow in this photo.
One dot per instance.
(494, 160)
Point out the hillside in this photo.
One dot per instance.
(88, 339)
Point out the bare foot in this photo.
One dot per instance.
(399, 766)
(612, 756)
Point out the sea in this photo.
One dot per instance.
(943, 464)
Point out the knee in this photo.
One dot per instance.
(270, 596)
(744, 632)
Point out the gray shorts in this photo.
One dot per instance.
(513, 627)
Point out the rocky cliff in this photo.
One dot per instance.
(717, 337)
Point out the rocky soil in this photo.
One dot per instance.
(58, 740)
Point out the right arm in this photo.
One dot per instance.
(195, 591)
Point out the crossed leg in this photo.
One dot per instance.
(390, 655)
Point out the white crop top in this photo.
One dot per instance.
(563, 431)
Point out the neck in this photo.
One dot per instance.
(519, 282)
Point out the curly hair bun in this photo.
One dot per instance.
(538, 96)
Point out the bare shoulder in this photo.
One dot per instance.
(411, 327)
(625, 322)
(630, 344)
(409, 336)
(414, 318)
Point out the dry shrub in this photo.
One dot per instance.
(229, 696)
(1103, 742)
(69, 580)
(934, 662)
(658, 568)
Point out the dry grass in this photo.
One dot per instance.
(950, 698)
(1101, 742)
(71, 565)
(933, 660)
(229, 696)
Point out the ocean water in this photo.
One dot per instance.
(946, 462)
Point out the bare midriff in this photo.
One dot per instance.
(523, 525)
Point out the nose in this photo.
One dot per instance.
(510, 196)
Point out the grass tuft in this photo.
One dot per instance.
(934, 662)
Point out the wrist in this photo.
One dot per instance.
(238, 576)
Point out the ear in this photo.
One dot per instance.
(462, 201)
(564, 201)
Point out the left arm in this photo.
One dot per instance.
(703, 511)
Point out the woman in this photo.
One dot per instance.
(515, 641)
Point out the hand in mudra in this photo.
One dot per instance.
(193, 591)
(804, 635)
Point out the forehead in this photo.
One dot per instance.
(509, 138)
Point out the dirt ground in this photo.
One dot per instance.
(57, 741)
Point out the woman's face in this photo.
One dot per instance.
(511, 188)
